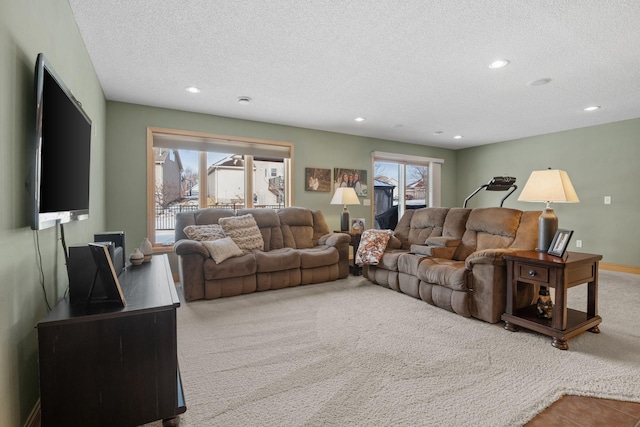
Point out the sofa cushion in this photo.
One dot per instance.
(488, 228)
(297, 227)
(244, 231)
(455, 222)
(389, 260)
(444, 272)
(402, 229)
(277, 260)
(222, 249)
(243, 265)
(318, 256)
(425, 223)
(204, 232)
(394, 243)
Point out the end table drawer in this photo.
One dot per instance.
(533, 272)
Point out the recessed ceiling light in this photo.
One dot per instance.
(539, 82)
(397, 125)
(457, 137)
(360, 119)
(192, 89)
(244, 100)
(499, 63)
(593, 108)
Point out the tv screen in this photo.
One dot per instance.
(61, 158)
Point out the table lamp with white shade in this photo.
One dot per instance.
(548, 186)
(345, 196)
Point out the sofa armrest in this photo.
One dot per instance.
(487, 256)
(334, 239)
(190, 247)
(443, 242)
(434, 251)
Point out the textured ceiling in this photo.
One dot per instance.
(412, 68)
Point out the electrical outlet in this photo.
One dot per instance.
(607, 200)
(578, 243)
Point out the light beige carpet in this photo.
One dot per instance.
(349, 353)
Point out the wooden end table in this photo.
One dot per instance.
(540, 268)
(354, 268)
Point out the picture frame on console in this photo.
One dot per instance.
(560, 242)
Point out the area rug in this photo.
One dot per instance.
(350, 353)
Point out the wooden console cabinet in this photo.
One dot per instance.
(114, 366)
(540, 268)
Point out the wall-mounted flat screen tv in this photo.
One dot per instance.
(59, 178)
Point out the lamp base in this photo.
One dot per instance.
(344, 220)
(547, 227)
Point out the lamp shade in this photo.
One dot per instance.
(551, 185)
(345, 196)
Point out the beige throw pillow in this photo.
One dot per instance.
(244, 231)
(204, 232)
(222, 249)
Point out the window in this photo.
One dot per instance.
(408, 182)
(189, 171)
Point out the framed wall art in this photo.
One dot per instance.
(355, 178)
(317, 179)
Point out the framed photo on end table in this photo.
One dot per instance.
(357, 225)
(560, 242)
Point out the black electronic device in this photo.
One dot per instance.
(498, 183)
(59, 174)
(81, 269)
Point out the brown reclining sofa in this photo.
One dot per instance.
(298, 248)
(453, 258)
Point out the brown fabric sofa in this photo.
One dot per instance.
(453, 258)
(298, 249)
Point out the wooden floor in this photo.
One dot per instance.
(568, 411)
(578, 411)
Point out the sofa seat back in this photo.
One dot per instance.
(301, 227)
(488, 228)
(425, 223)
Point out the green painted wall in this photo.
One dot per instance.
(600, 160)
(126, 139)
(27, 28)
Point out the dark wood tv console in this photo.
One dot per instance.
(114, 366)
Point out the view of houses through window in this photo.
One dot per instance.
(388, 186)
(188, 180)
(403, 182)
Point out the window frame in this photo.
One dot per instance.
(434, 166)
(245, 144)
